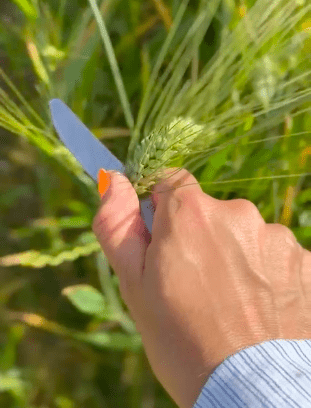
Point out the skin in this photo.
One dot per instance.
(213, 279)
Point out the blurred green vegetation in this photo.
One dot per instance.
(66, 339)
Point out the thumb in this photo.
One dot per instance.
(120, 229)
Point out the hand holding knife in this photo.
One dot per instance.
(89, 151)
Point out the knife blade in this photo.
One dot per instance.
(89, 151)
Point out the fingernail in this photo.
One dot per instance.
(116, 172)
(104, 180)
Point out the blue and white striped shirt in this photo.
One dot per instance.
(272, 374)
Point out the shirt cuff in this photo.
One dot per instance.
(275, 373)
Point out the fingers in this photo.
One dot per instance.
(175, 179)
(178, 190)
(120, 229)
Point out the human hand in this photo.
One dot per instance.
(212, 279)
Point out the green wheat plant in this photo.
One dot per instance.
(219, 87)
(259, 75)
(234, 121)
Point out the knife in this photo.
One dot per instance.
(89, 151)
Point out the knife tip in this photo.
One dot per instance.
(54, 102)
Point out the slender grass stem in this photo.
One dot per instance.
(114, 65)
(145, 104)
(21, 98)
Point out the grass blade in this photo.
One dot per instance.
(113, 64)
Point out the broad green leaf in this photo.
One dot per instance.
(86, 299)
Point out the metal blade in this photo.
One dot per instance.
(86, 148)
(89, 151)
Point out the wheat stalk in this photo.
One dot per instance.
(245, 84)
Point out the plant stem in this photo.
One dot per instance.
(114, 65)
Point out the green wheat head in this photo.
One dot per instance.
(159, 150)
(253, 81)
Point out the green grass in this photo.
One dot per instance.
(128, 69)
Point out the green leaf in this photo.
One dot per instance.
(304, 196)
(114, 341)
(37, 259)
(27, 8)
(9, 352)
(303, 236)
(305, 218)
(12, 382)
(86, 299)
(10, 197)
(113, 64)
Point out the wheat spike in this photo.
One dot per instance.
(159, 149)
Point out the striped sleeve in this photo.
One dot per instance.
(272, 374)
